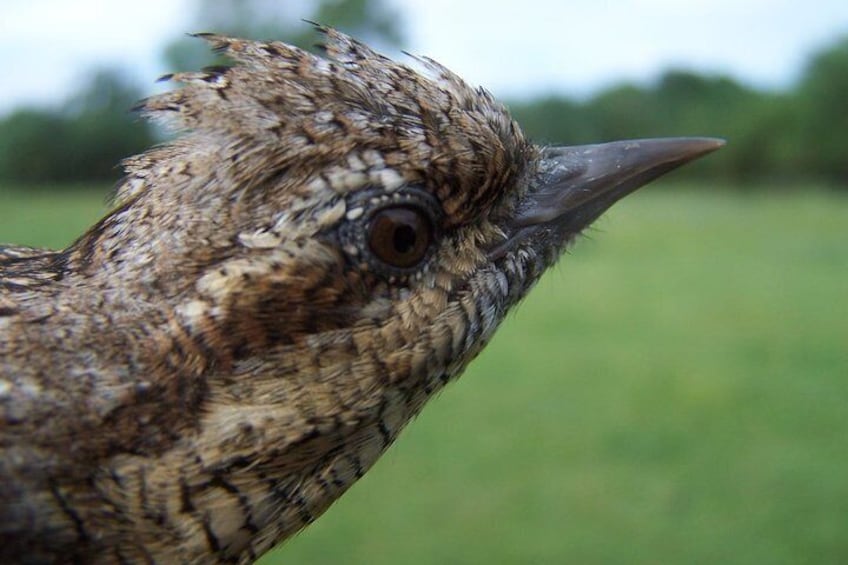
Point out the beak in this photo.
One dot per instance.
(577, 184)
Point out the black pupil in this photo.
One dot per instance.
(404, 238)
(400, 236)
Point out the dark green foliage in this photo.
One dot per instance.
(82, 141)
(556, 121)
(822, 123)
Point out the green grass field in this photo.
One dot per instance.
(676, 391)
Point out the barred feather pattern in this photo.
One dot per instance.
(272, 298)
(203, 372)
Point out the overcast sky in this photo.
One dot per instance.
(515, 48)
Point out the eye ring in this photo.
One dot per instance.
(392, 234)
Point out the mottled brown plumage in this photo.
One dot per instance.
(209, 367)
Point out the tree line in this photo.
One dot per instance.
(786, 137)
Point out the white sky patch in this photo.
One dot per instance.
(578, 46)
(49, 47)
(515, 48)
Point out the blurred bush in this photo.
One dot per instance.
(83, 140)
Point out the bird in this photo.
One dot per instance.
(329, 241)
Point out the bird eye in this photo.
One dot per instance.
(400, 236)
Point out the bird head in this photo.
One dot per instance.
(329, 242)
(311, 195)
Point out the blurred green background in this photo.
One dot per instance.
(676, 391)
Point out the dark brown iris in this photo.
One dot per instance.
(400, 236)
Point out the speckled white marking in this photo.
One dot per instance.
(332, 215)
(260, 239)
(355, 213)
(390, 179)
